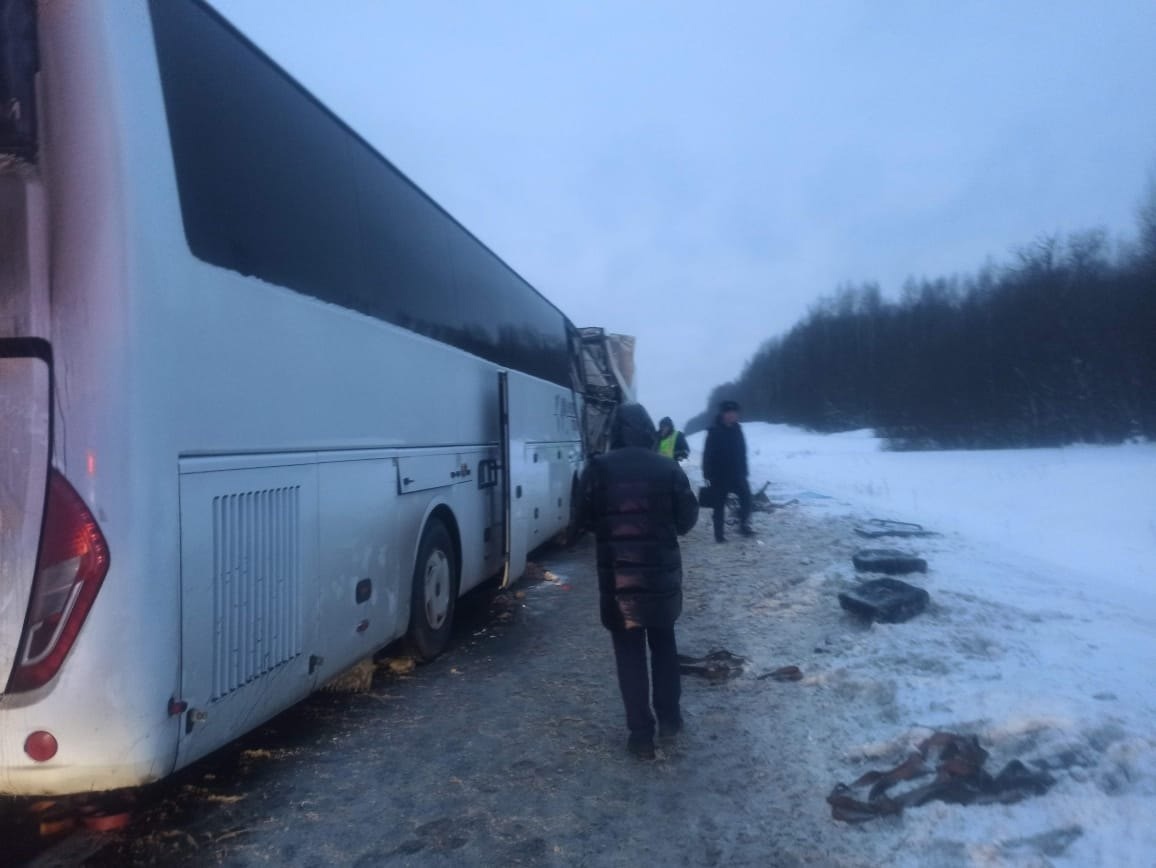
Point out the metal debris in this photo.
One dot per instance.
(955, 764)
(718, 665)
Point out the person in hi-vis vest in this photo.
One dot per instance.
(671, 443)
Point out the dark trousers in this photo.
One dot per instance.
(634, 681)
(743, 489)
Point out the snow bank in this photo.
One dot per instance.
(1091, 509)
(1041, 637)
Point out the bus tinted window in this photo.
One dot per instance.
(273, 185)
(407, 277)
(19, 64)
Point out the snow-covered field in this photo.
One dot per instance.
(1041, 638)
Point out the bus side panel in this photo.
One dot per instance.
(249, 597)
(358, 543)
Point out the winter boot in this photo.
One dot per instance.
(641, 745)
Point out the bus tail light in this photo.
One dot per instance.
(70, 567)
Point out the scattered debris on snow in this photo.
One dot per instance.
(784, 673)
(399, 665)
(874, 528)
(715, 666)
(356, 679)
(956, 763)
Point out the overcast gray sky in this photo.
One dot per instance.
(698, 174)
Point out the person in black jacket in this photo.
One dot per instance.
(724, 466)
(638, 503)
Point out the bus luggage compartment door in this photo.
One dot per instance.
(249, 561)
(25, 449)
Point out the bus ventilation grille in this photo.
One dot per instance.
(256, 585)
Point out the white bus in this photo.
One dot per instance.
(266, 407)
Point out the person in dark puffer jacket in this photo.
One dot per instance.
(724, 466)
(638, 503)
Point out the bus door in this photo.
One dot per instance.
(515, 526)
(25, 451)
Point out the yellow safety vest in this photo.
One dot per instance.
(666, 446)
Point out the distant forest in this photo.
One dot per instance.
(1056, 347)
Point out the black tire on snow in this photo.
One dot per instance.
(426, 640)
(889, 561)
(889, 601)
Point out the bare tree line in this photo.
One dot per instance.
(1058, 346)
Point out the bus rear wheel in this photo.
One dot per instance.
(434, 594)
